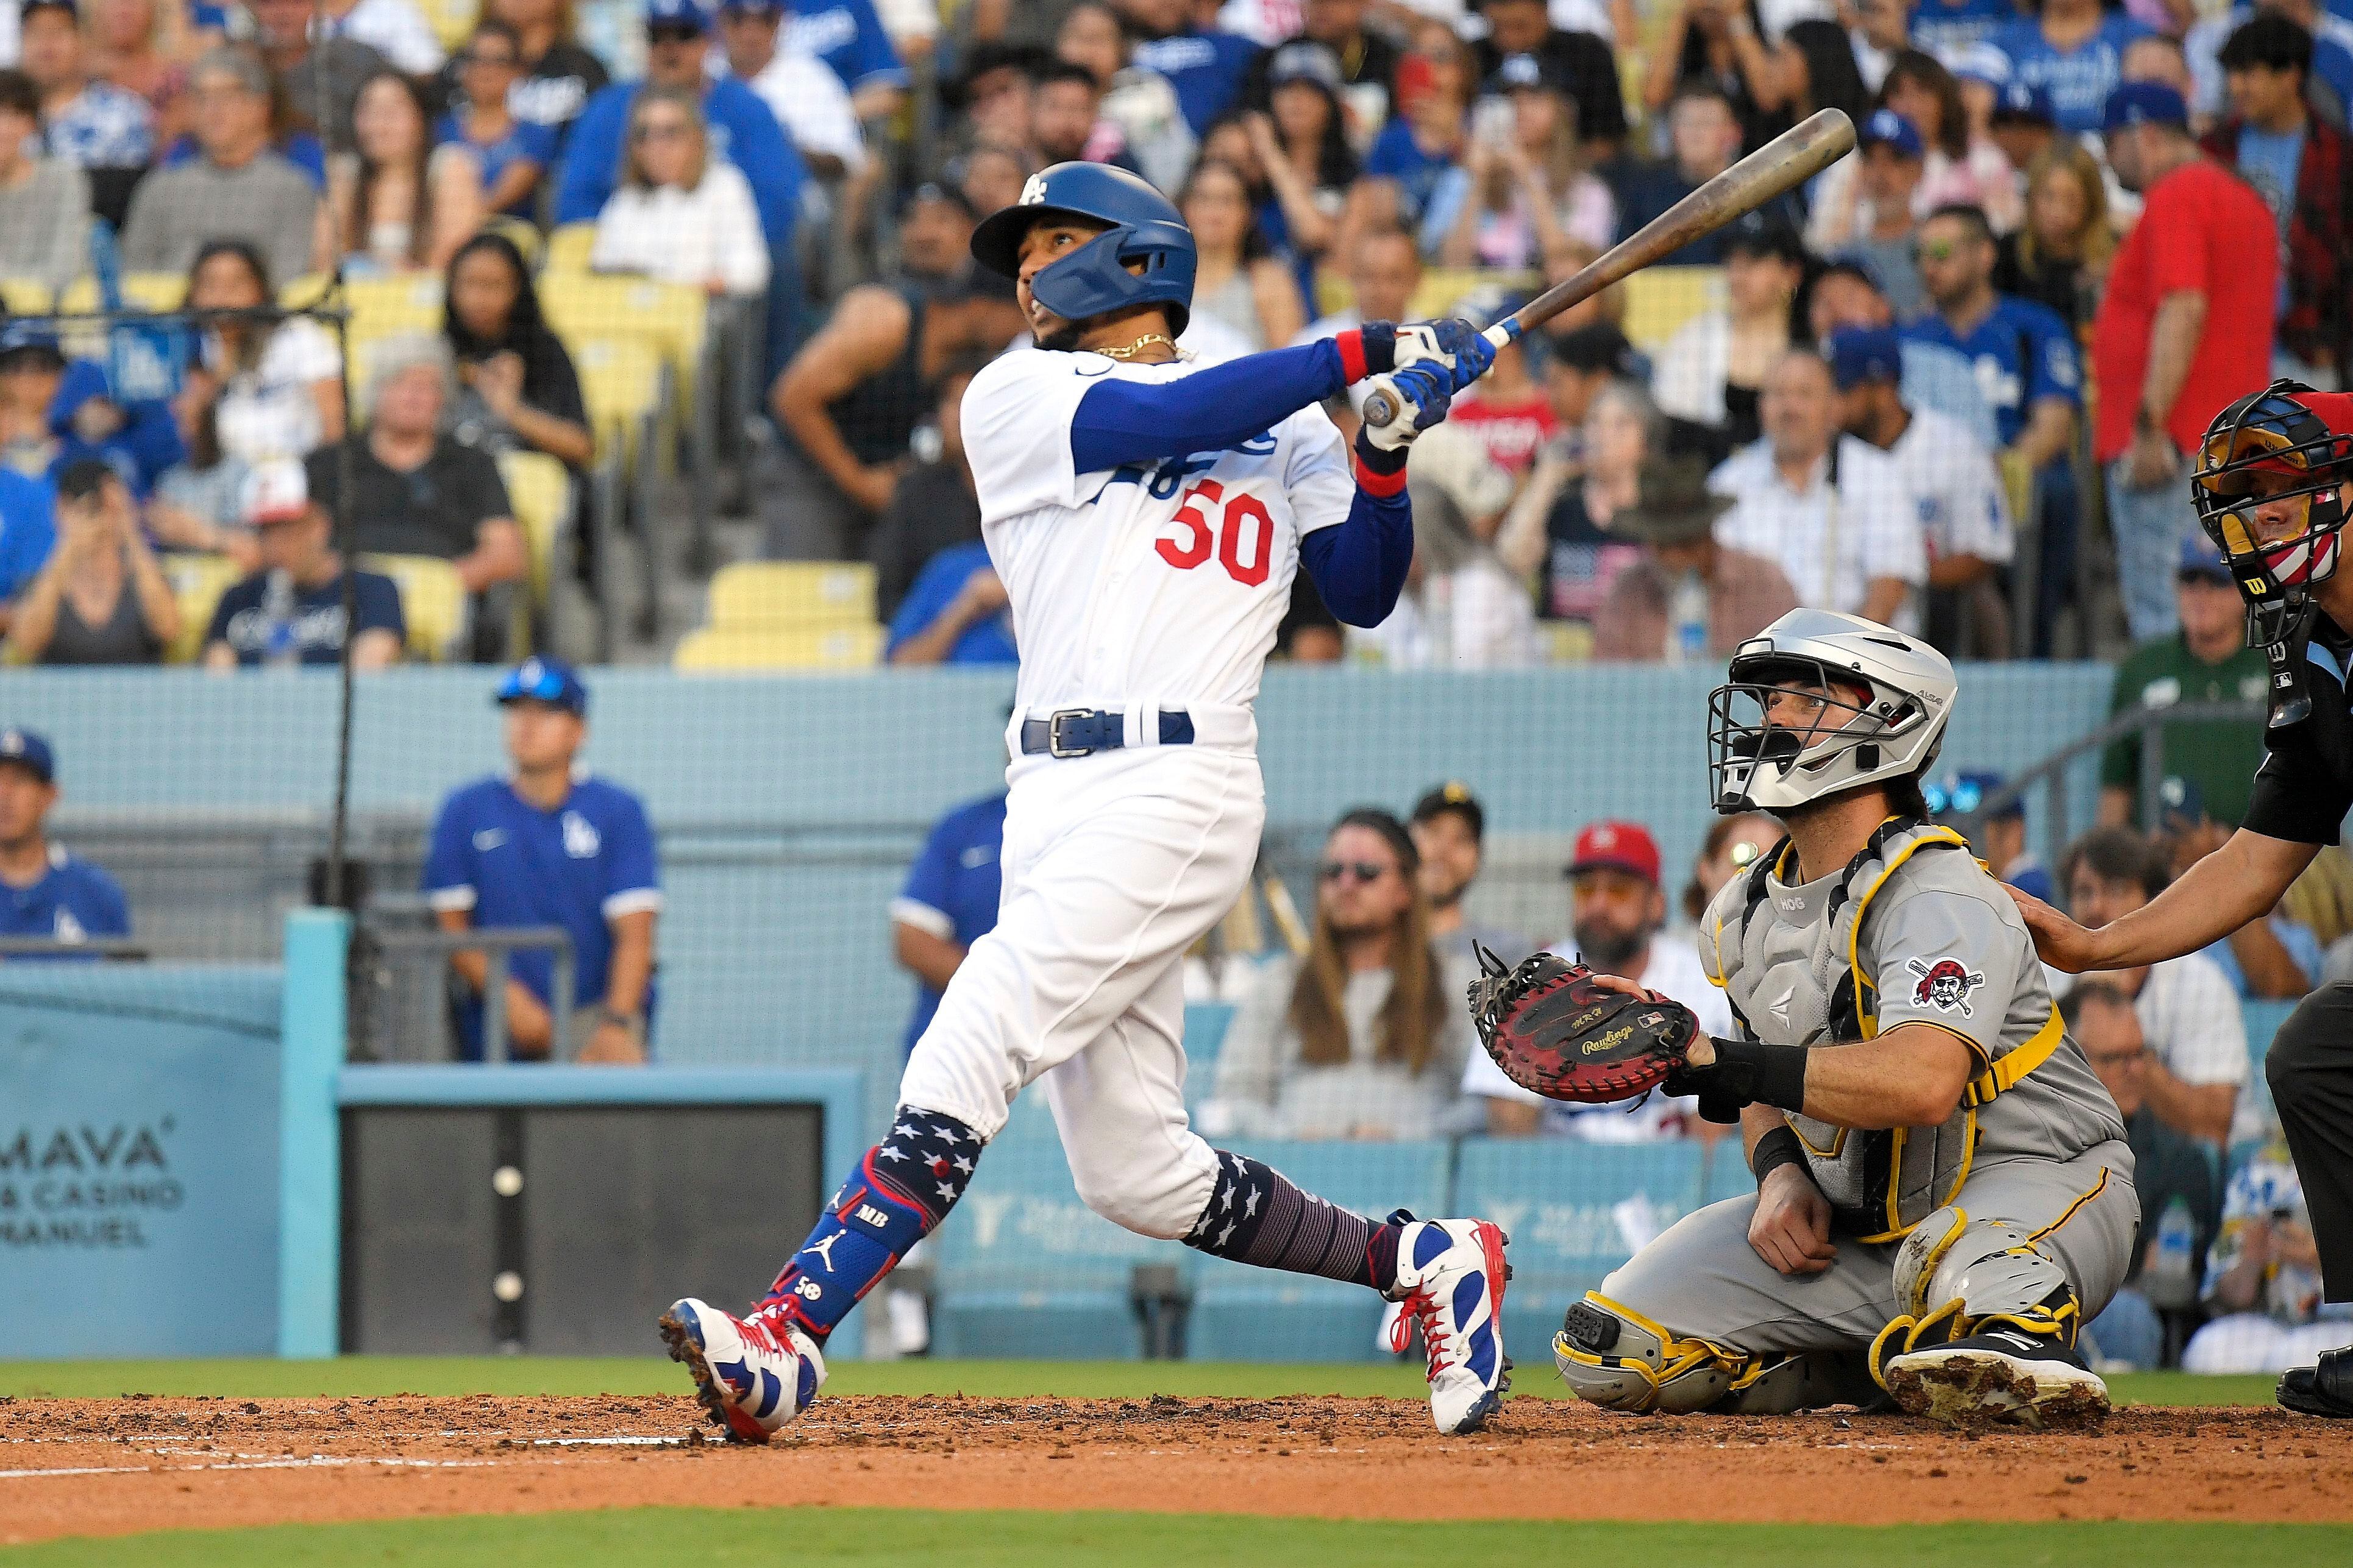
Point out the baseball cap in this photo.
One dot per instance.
(28, 752)
(751, 7)
(2025, 103)
(68, 7)
(84, 478)
(1980, 61)
(1455, 796)
(1593, 347)
(677, 14)
(1889, 128)
(23, 337)
(1615, 846)
(2143, 103)
(1672, 504)
(548, 681)
(1760, 234)
(2180, 805)
(1530, 73)
(1858, 354)
(276, 490)
(2201, 557)
(1303, 59)
(945, 195)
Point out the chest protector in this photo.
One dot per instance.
(1811, 986)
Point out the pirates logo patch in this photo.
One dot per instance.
(1945, 983)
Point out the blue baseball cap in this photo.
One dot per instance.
(1858, 354)
(669, 13)
(28, 752)
(548, 680)
(2025, 101)
(2143, 103)
(1980, 61)
(751, 7)
(2203, 557)
(1889, 128)
(18, 336)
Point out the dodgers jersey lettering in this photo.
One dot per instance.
(1160, 582)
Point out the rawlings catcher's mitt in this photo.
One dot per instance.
(1557, 1033)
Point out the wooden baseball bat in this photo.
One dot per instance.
(1787, 161)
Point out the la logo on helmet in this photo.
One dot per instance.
(1034, 193)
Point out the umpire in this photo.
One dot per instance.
(2269, 487)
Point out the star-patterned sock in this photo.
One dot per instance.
(1257, 1217)
(900, 1192)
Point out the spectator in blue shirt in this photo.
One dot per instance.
(2028, 372)
(954, 613)
(1847, 294)
(64, 411)
(949, 902)
(2074, 51)
(95, 125)
(549, 845)
(848, 35)
(1945, 28)
(28, 532)
(1206, 67)
(2000, 839)
(739, 129)
(291, 610)
(44, 891)
(514, 154)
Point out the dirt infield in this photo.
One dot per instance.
(85, 1467)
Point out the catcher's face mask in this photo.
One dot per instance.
(2269, 490)
(1784, 732)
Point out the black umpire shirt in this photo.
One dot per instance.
(2304, 786)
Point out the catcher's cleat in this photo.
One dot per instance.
(2325, 1390)
(2001, 1377)
(753, 1374)
(1449, 1280)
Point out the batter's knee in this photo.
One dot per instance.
(1613, 1356)
(1163, 1199)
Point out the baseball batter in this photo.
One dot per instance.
(1146, 513)
(1943, 1192)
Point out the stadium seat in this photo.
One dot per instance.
(541, 489)
(302, 293)
(157, 291)
(25, 296)
(584, 306)
(1574, 1211)
(452, 21)
(567, 249)
(783, 596)
(1444, 287)
(1240, 1313)
(197, 583)
(1027, 1270)
(432, 600)
(622, 383)
(819, 647)
(521, 234)
(1661, 300)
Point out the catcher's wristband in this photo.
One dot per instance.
(1745, 1074)
(1775, 1149)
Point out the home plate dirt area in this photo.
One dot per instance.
(148, 1463)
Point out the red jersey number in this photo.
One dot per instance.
(1191, 535)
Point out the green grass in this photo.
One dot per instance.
(353, 1377)
(897, 1538)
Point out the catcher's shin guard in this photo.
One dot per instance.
(1958, 1277)
(1612, 1356)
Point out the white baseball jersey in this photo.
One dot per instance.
(1158, 582)
(1963, 508)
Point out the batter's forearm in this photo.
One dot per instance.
(1360, 566)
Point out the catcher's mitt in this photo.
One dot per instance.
(1555, 1032)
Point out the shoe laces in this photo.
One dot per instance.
(1420, 1308)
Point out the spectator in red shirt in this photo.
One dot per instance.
(2186, 327)
(1508, 410)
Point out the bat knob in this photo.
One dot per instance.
(1380, 408)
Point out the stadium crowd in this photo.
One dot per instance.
(1951, 386)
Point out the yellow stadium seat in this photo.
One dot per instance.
(541, 489)
(25, 296)
(673, 317)
(157, 291)
(1444, 287)
(827, 648)
(568, 247)
(380, 307)
(1661, 300)
(521, 234)
(621, 383)
(302, 293)
(452, 21)
(787, 596)
(432, 601)
(197, 583)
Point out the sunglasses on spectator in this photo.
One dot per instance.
(477, 57)
(1362, 870)
(658, 130)
(674, 32)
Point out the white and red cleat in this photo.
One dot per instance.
(753, 1374)
(1449, 1281)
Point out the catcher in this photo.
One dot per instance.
(1943, 1191)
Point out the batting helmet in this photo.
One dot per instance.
(1094, 279)
(2286, 442)
(1890, 731)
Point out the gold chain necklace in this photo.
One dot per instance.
(1136, 348)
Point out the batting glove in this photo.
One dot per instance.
(1426, 395)
(1457, 347)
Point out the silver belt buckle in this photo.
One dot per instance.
(1054, 747)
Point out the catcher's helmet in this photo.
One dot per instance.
(1892, 731)
(2286, 442)
(1094, 278)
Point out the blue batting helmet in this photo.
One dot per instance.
(1094, 278)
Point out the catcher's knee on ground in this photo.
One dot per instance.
(1956, 1276)
(1613, 1356)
